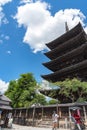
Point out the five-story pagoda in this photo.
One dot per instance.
(68, 56)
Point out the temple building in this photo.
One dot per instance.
(5, 103)
(68, 56)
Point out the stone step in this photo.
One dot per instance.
(43, 123)
(47, 119)
(44, 126)
(47, 123)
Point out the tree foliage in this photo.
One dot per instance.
(74, 90)
(23, 92)
(52, 101)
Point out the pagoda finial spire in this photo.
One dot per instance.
(66, 27)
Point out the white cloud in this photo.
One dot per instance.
(45, 85)
(4, 37)
(2, 15)
(8, 52)
(3, 86)
(3, 2)
(86, 29)
(7, 37)
(41, 26)
(26, 1)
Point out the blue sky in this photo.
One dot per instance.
(25, 27)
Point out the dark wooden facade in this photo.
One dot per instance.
(37, 114)
(68, 56)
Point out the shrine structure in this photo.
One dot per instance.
(68, 59)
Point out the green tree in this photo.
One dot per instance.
(74, 90)
(22, 92)
(52, 101)
(40, 99)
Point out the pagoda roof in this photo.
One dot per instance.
(61, 61)
(66, 36)
(4, 98)
(6, 107)
(5, 102)
(68, 72)
(72, 43)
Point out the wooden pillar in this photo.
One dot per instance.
(69, 114)
(84, 111)
(66, 123)
(20, 113)
(15, 113)
(70, 122)
(26, 115)
(60, 114)
(42, 112)
(34, 114)
(57, 108)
